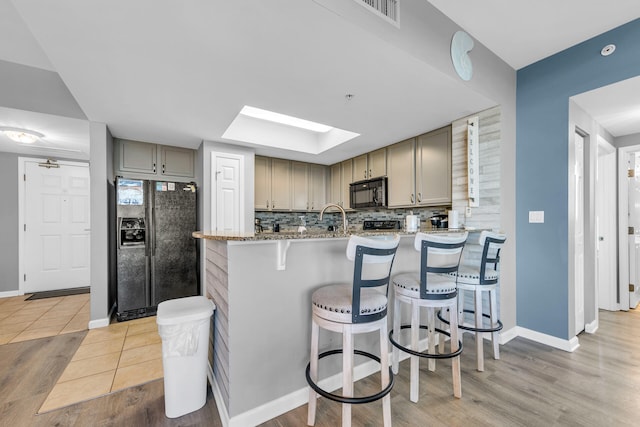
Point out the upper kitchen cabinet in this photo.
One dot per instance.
(143, 160)
(272, 184)
(433, 167)
(401, 172)
(284, 185)
(309, 185)
(262, 188)
(370, 165)
(341, 177)
(419, 170)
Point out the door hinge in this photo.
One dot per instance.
(25, 227)
(24, 177)
(25, 278)
(632, 230)
(631, 173)
(631, 287)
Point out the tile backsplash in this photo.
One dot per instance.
(289, 221)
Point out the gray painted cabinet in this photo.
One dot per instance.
(341, 176)
(370, 165)
(144, 160)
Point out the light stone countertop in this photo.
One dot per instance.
(312, 234)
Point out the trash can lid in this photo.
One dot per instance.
(186, 309)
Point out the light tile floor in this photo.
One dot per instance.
(22, 320)
(109, 359)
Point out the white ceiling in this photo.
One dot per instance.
(178, 72)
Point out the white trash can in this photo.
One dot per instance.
(183, 325)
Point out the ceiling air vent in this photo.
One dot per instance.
(388, 9)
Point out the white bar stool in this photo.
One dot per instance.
(433, 289)
(355, 308)
(478, 278)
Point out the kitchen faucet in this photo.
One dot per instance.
(344, 214)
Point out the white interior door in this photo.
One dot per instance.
(634, 224)
(228, 197)
(55, 226)
(606, 283)
(579, 233)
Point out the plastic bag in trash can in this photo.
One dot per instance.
(180, 339)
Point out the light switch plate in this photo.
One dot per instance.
(536, 217)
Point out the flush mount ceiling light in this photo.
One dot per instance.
(258, 113)
(24, 136)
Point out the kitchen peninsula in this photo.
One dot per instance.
(262, 288)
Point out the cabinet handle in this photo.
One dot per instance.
(412, 199)
(370, 173)
(273, 205)
(419, 197)
(154, 167)
(267, 204)
(163, 169)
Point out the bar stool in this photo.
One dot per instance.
(481, 276)
(355, 308)
(433, 289)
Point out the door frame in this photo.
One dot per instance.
(21, 211)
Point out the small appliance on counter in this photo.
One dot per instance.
(380, 225)
(453, 219)
(439, 221)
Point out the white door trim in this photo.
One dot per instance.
(606, 287)
(21, 212)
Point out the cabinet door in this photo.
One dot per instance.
(377, 163)
(135, 156)
(401, 173)
(300, 186)
(177, 161)
(360, 168)
(262, 188)
(280, 184)
(335, 195)
(317, 187)
(347, 178)
(433, 179)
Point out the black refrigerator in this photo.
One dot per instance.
(157, 257)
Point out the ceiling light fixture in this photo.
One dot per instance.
(258, 113)
(24, 136)
(608, 50)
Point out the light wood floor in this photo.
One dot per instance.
(532, 385)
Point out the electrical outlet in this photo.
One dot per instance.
(467, 212)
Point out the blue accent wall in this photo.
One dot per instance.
(542, 129)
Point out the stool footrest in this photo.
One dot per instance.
(424, 353)
(473, 328)
(345, 399)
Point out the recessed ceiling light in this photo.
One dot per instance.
(608, 50)
(24, 136)
(258, 113)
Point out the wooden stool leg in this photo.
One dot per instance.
(494, 323)
(395, 357)
(384, 373)
(415, 360)
(455, 363)
(313, 371)
(347, 373)
(479, 337)
(445, 313)
(431, 337)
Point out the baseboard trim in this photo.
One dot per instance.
(98, 323)
(592, 327)
(9, 294)
(506, 336)
(217, 396)
(559, 343)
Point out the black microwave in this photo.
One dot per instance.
(370, 193)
